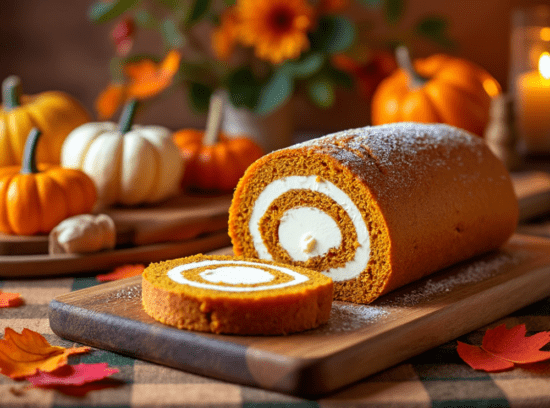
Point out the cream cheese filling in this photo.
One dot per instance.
(234, 273)
(323, 235)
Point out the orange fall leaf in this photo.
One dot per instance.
(10, 299)
(503, 348)
(24, 354)
(124, 271)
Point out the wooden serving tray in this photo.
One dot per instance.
(181, 226)
(358, 340)
(178, 219)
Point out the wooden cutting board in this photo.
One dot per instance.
(363, 339)
(181, 226)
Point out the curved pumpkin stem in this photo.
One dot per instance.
(28, 166)
(213, 121)
(11, 92)
(404, 61)
(127, 118)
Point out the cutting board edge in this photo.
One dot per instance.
(63, 316)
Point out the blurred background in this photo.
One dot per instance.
(52, 45)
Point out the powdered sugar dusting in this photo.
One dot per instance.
(130, 292)
(474, 272)
(350, 317)
(403, 152)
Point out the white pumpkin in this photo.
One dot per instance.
(129, 164)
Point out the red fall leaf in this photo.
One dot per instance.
(10, 299)
(73, 375)
(124, 271)
(502, 348)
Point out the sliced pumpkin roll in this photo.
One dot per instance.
(223, 294)
(375, 208)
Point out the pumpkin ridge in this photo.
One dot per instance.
(7, 137)
(4, 186)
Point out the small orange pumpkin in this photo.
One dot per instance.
(440, 88)
(213, 160)
(34, 199)
(54, 112)
(214, 166)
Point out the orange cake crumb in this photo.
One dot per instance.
(375, 208)
(223, 294)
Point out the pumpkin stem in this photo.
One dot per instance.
(404, 61)
(11, 92)
(28, 166)
(213, 121)
(127, 118)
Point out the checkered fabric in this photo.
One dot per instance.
(437, 378)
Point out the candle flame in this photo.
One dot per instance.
(544, 65)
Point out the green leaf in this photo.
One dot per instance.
(339, 77)
(333, 34)
(370, 3)
(321, 91)
(276, 91)
(229, 3)
(101, 12)
(435, 29)
(145, 19)
(308, 65)
(171, 34)
(199, 96)
(244, 89)
(394, 10)
(198, 10)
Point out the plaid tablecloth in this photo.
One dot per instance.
(437, 378)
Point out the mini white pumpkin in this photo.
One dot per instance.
(129, 164)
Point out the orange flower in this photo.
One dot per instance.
(277, 29)
(224, 38)
(109, 100)
(148, 79)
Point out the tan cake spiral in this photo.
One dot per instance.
(375, 208)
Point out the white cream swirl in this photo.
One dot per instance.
(326, 234)
(234, 273)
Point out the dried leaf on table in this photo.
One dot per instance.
(23, 354)
(124, 271)
(502, 348)
(10, 299)
(74, 375)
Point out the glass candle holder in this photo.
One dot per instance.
(530, 76)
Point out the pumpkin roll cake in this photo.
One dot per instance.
(375, 208)
(223, 294)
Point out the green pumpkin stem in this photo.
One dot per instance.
(11, 92)
(127, 118)
(404, 61)
(28, 166)
(213, 121)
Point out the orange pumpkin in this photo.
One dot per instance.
(55, 113)
(34, 199)
(439, 88)
(214, 165)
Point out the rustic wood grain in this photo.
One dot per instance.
(178, 219)
(21, 266)
(362, 338)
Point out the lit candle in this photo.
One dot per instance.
(533, 96)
